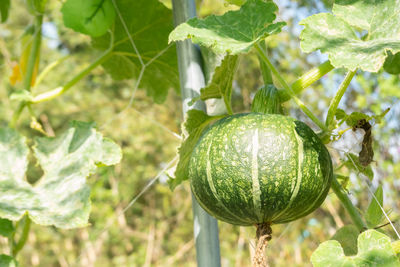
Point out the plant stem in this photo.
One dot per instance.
(289, 89)
(307, 79)
(33, 57)
(49, 68)
(264, 235)
(265, 71)
(16, 115)
(61, 90)
(339, 94)
(34, 53)
(24, 236)
(344, 199)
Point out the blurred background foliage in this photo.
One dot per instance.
(157, 229)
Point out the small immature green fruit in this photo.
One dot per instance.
(257, 168)
(267, 100)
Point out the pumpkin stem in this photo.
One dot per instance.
(264, 234)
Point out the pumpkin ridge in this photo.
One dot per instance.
(299, 175)
(212, 186)
(254, 175)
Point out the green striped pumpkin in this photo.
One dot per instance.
(255, 168)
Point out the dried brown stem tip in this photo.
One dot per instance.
(264, 232)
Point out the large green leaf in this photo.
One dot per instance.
(148, 23)
(4, 9)
(336, 34)
(196, 122)
(374, 249)
(61, 196)
(235, 31)
(92, 17)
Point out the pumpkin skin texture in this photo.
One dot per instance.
(254, 168)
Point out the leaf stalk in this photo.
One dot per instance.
(307, 79)
(46, 96)
(34, 53)
(16, 115)
(24, 236)
(265, 71)
(339, 94)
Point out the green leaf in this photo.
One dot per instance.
(374, 213)
(7, 261)
(61, 196)
(235, 31)
(353, 163)
(336, 34)
(355, 117)
(340, 114)
(220, 85)
(347, 237)
(392, 63)
(4, 9)
(6, 228)
(92, 17)
(148, 22)
(352, 119)
(374, 249)
(197, 121)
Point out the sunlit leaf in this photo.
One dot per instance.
(61, 196)
(374, 249)
(235, 31)
(337, 34)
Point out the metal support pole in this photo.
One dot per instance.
(192, 80)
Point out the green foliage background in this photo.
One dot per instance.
(157, 229)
